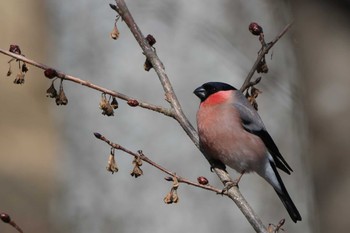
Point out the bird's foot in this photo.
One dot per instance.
(229, 184)
(239, 178)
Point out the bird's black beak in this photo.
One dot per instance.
(201, 93)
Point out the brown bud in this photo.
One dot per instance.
(148, 65)
(202, 180)
(50, 73)
(133, 103)
(15, 49)
(114, 7)
(169, 178)
(255, 29)
(151, 40)
(5, 217)
(97, 135)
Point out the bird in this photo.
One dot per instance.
(231, 132)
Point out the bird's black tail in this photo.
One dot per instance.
(285, 198)
(288, 203)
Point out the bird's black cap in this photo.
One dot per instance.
(209, 88)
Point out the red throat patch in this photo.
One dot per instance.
(217, 98)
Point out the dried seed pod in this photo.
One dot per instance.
(105, 106)
(168, 198)
(255, 29)
(254, 92)
(61, 98)
(202, 180)
(137, 171)
(112, 165)
(114, 103)
(262, 67)
(19, 78)
(15, 49)
(151, 40)
(175, 196)
(9, 72)
(172, 196)
(115, 32)
(24, 68)
(51, 91)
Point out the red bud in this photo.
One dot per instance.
(202, 180)
(255, 29)
(50, 73)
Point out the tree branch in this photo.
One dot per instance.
(264, 50)
(142, 104)
(154, 164)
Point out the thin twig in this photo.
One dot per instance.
(142, 104)
(7, 219)
(154, 164)
(264, 50)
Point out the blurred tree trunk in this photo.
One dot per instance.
(322, 44)
(27, 142)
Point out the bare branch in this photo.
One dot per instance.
(142, 104)
(7, 219)
(264, 50)
(154, 164)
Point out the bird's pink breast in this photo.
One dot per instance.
(222, 137)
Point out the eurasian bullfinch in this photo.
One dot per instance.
(231, 131)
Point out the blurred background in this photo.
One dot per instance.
(52, 169)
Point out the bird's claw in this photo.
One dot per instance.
(228, 185)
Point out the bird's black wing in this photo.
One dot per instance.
(252, 123)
